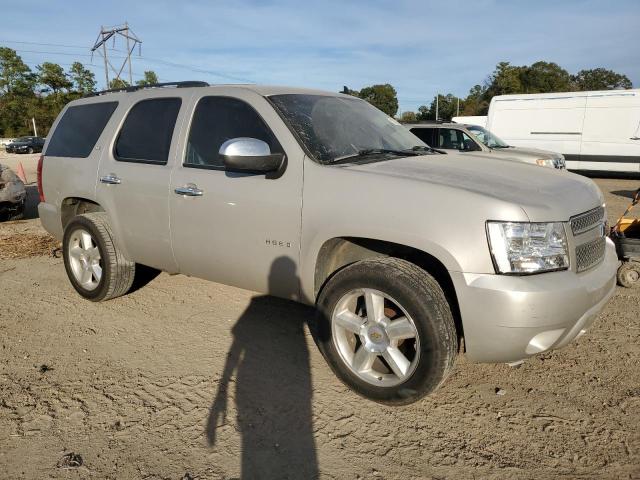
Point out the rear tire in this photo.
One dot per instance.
(96, 268)
(629, 274)
(408, 347)
(30, 150)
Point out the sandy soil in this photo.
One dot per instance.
(187, 379)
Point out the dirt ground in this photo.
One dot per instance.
(187, 379)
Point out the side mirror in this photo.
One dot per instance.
(249, 155)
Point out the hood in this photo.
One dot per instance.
(545, 194)
(533, 153)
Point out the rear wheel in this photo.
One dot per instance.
(30, 150)
(629, 274)
(386, 330)
(95, 266)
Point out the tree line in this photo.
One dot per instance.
(41, 94)
(539, 77)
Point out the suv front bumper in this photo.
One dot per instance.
(509, 318)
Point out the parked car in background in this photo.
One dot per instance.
(321, 198)
(12, 195)
(473, 138)
(593, 130)
(25, 145)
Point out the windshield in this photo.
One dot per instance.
(333, 128)
(486, 137)
(22, 139)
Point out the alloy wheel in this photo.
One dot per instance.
(85, 259)
(375, 337)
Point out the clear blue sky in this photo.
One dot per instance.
(420, 47)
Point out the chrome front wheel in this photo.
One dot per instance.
(375, 337)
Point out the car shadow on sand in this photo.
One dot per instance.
(268, 365)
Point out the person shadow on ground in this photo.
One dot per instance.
(273, 390)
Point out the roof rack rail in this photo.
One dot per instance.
(134, 88)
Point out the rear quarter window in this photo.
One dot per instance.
(79, 129)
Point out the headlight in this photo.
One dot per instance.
(545, 162)
(522, 248)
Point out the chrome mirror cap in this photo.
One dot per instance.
(244, 147)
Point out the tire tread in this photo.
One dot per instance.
(120, 271)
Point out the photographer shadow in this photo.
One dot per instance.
(269, 360)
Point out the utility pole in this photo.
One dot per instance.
(101, 41)
(458, 109)
(437, 101)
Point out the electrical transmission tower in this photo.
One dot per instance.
(101, 47)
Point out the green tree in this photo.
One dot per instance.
(447, 107)
(84, 81)
(600, 79)
(408, 117)
(504, 80)
(383, 97)
(150, 78)
(52, 76)
(118, 83)
(476, 102)
(544, 77)
(15, 75)
(423, 113)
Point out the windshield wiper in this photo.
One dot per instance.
(425, 148)
(373, 151)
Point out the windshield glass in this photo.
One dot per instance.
(335, 127)
(22, 139)
(486, 137)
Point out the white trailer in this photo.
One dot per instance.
(593, 130)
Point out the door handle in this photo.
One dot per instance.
(110, 179)
(189, 190)
(634, 138)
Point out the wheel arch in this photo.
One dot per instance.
(337, 253)
(72, 206)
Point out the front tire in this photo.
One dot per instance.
(95, 266)
(386, 330)
(30, 150)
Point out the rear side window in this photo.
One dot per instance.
(146, 134)
(218, 119)
(79, 129)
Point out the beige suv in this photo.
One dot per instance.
(321, 198)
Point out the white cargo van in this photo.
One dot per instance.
(593, 130)
(479, 120)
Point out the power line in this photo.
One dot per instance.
(148, 60)
(33, 63)
(139, 58)
(44, 44)
(65, 53)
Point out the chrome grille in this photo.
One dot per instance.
(590, 254)
(586, 221)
